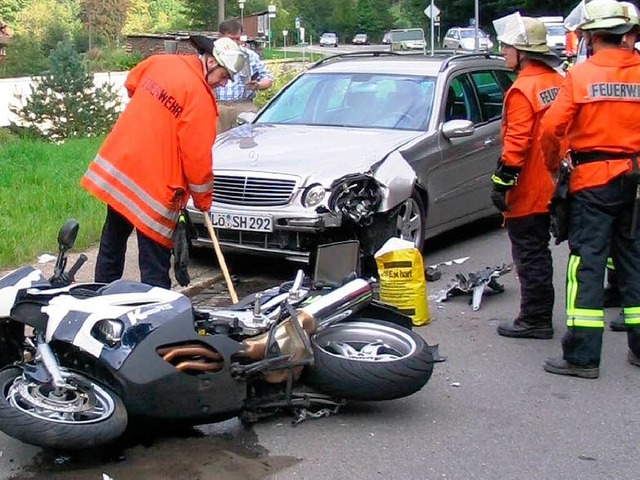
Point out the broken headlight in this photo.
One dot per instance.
(357, 198)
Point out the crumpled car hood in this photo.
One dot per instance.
(305, 150)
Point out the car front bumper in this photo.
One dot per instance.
(294, 237)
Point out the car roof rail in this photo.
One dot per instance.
(340, 56)
(467, 56)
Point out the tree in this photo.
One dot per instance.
(9, 10)
(104, 18)
(65, 103)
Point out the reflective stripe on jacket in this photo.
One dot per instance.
(159, 150)
(598, 106)
(526, 101)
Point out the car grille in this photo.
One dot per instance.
(252, 191)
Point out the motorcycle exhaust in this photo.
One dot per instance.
(326, 310)
(341, 303)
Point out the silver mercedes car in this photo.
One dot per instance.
(367, 145)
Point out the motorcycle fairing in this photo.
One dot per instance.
(72, 319)
(13, 282)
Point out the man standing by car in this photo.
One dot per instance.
(598, 107)
(522, 187)
(237, 95)
(158, 154)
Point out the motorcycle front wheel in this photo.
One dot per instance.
(369, 360)
(84, 416)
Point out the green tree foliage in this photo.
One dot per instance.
(25, 57)
(65, 103)
(105, 18)
(148, 16)
(9, 10)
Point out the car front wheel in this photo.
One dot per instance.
(411, 220)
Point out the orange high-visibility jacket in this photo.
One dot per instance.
(159, 151)
(571, 43)
(598, 106)
(526, 101)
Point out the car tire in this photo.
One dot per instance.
(411, 220)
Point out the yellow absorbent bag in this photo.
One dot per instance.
(402, 279)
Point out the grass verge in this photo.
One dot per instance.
(39, 191)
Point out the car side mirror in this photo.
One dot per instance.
(245, 117)
(457, 128)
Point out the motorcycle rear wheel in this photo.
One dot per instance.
(369, 360)
(89, 416)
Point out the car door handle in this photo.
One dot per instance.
(488, 142)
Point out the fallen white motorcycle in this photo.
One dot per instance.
(80, 360)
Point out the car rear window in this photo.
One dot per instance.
(354, 100)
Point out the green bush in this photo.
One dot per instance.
(65, 103)
(111, 60)
(24, 57)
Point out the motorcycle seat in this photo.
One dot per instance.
(124, 286)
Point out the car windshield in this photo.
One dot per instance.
(361, 35)
(398, 102)
(555, 30)
(469, 33)
(328, 35)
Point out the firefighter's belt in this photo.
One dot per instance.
(580, 158)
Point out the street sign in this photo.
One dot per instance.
(429, 12)
(297, 22)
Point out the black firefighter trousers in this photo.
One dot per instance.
(600, 221)
(154, 259)
(532, 258)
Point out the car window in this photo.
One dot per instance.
(460, 103)
(354, 100)
(506, 78)
(490, 94)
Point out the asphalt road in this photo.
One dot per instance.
(488, 412)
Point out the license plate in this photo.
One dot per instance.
(236, 221)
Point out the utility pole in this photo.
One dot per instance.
(220, 13)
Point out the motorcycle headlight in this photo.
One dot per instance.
(108, 332)
(313, 195)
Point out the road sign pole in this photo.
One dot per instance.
(431, 17)
(476, 43)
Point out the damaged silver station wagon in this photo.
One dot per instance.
(367, 145)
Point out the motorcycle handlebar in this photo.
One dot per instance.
(75, 267)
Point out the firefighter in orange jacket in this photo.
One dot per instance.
(598, 106)
(157, 154)
(522, 187)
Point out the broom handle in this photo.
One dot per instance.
(223, 264)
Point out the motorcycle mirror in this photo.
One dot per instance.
(67, 235)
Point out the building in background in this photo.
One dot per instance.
(255, 26)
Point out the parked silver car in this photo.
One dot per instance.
(463, 38)
(367, 146)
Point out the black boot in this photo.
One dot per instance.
(618, 324)
(560, 366)
(633, 359)
(521, 329)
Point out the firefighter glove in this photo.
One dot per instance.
(504, 179)
(181, 251)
